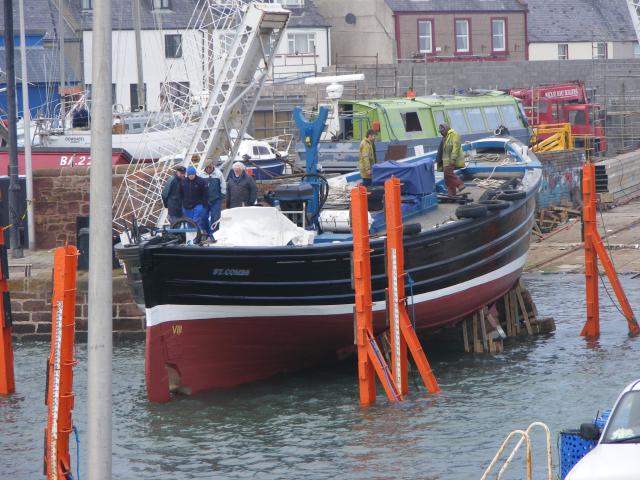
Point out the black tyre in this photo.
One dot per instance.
(511, 195)
(411, 229)
(471, 210)
(187, 224)
(495, 205)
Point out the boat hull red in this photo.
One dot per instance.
(56, 158)
(210, 353)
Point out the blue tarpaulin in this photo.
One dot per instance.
(417, 177)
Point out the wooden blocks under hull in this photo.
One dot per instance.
(512, 316)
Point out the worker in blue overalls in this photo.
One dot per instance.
(217, 188)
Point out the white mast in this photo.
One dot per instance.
(100, 263)
(26, 120)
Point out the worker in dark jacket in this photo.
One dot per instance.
(452, 158)
(241, 188)
(172, 195)
(195, 198)
(217, 191)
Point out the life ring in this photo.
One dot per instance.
(511, 195)
(471, 210)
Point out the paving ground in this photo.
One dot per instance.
(562, 250)
(559, 251)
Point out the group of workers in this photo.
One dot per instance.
(450, 151)
(201, 197)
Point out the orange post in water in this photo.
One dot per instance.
(60, 394)
(593, 249)
(7, 378)
(402, 334)
(370, 358)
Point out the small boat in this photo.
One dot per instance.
(260, 157)
(271, 296)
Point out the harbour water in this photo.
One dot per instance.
(310, 425)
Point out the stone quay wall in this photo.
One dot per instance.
(31, 308)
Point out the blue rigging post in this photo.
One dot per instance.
(310, 132)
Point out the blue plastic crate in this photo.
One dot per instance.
(572, 448)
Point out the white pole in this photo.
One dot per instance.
(61, 67)
(100, 264)
(26, 119)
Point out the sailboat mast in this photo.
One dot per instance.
(61, 60)
(142, 97)
(14, 186)
(26, 120)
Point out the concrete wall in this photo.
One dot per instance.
(371, 34)
(480, 32)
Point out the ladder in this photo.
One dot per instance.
(241, 42)
(634, 10)
(223, 122)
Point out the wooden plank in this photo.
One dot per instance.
(507, 314)
(523, 308)
(477, 346)
(514, 312)
(465, 335)
(483, 330)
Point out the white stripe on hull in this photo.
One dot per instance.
(172, 312)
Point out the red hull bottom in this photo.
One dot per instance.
(209, 353)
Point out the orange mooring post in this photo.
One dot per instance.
(593, 249)
(370, 358)
(7, 379)
(61, 361)
(401, 331)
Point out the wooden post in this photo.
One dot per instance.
(523, 308)
(402, 333)
(465, 335)
(370, 359)
(507, 315)
(60, 394)
(7, 377)
(483, 330)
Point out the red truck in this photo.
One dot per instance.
(565, 103)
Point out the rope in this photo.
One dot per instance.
(604, 285)
(410, 282)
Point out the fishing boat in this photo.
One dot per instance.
(408, 126)
(272, 296)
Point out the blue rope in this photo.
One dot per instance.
(75, 432)
(386, 375)
(410, 282)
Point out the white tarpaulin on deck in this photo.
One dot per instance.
(259, 227)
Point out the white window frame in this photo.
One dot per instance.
(428, 38)
(87, 4)
(502, 36)
(601, 56)
(292, 43)
(466, 36)
(565, 55)
(636, 50)
(292, 3)
(161, 5)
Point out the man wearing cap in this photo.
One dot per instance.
(452, 158)
(367, 157)
(217, 190)
(172, 195)
(241, 188)
(195, 197)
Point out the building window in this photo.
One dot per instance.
(162, 4)
(301, 43)
(425, 36)
(563, 51)
(462, 36)
(292, 3)
(499, 35)
(135, 98)
(600, 51)
(173, 46)
(87, 4)
(636, 50)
